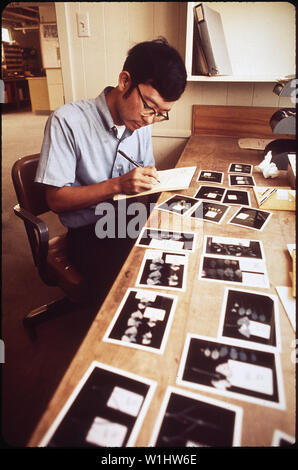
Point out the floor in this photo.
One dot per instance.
(32, 369)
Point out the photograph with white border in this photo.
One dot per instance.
(178, 204)
(170, 240)
(188, 419)
(282, 439)
(163, 270)
(244, 168)
(244, 271)
(209, 212)
(143, 320)
(250, 317)
(232, 370)
(241, 180)
(237, 197)
(210, 176)
(233, 247)
(106, 409)
(210, 193)
(253, 219)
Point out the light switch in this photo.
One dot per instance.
(83, 25)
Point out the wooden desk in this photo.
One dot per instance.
(198, 309)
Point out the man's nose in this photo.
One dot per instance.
(148, 119)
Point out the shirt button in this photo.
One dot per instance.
(119, 168)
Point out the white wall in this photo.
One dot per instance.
(89, 64)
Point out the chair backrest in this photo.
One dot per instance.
(30, 195)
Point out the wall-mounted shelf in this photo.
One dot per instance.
(260, 39)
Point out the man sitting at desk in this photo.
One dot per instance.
(80, 163)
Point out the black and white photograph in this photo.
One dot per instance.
(178, 204)
(251, 317)
(254, 219)
(233, 247)
(210, 212)
(169, 240)
(143, 320)
(244, 271)
(228, 368)
(187, 419)
(208, 176)
(163, 270)
(210, 193)
(241, 180)
(240, 168)
(236, 197)
(106, 409)
(282, 439)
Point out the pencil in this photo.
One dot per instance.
(130, 159)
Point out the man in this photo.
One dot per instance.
(80, 163)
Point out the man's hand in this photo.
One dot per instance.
(71, 198)
(138, 180)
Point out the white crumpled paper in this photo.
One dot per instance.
(268, 168)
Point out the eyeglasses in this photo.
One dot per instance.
(148, 111)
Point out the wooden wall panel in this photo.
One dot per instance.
(234, 121)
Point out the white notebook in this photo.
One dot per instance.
(170, 180)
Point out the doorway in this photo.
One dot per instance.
(31, 67)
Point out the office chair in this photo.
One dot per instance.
(49, 255)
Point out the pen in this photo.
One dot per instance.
(264, 198)
(130, 159)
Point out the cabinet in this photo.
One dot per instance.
(260, 39)
(55, 88)
(39, 94)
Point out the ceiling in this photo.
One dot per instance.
(21, 14)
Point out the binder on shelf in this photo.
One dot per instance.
(212, 39)
(199, 62)
(275, 198)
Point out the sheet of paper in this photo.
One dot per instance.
(288, 302)
(175, 178)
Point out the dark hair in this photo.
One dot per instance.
(159, 64)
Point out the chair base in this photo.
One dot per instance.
(48, 311)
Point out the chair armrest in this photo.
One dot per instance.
(32, 223)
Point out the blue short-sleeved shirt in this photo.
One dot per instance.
(80, 148)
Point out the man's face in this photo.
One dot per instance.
(130, 109)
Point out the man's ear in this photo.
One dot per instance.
(124, 80)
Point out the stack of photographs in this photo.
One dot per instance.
(229, 368)
(143, 320)
(191, 420)
(163, 270)
(169, 240)
(106, 409)
(231, 260)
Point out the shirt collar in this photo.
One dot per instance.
(105, 113)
